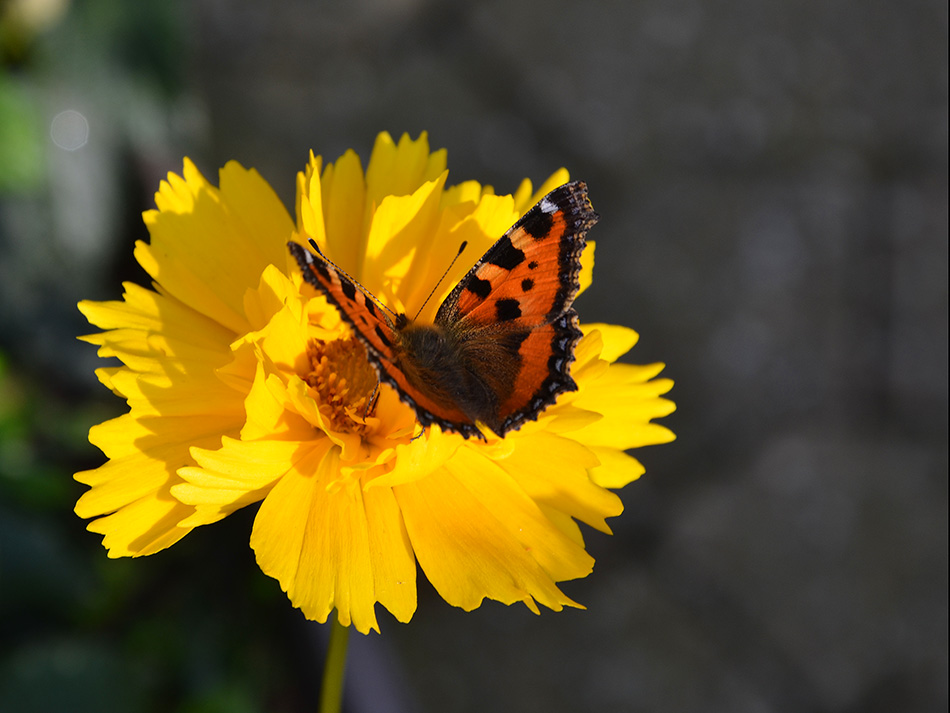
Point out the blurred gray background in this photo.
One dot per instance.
(772, 181)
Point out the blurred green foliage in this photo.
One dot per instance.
(21, 142)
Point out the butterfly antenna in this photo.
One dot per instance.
(313, 244)
(457, 256)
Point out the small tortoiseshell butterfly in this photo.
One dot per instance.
(503, 341)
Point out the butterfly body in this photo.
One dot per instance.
(500, 347)
(451, 369)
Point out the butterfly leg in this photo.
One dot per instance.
(373, 398)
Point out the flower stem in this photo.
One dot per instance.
(331, 692)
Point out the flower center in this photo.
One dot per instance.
(344, 382)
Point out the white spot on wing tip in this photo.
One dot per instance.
(547, 206)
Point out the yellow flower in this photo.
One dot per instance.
(245, 386)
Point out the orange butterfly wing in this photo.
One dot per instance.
(520, 296)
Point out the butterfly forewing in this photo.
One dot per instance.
(530, 274)
(525, 285)
(370, 323)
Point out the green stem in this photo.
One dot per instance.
(331, 693)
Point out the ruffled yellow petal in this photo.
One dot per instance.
(627, 404)
(401, 226)
(419, 457)
(616, 468)
(344, 200)
(268, 415)
(143, 527)
(615, 340)
(208, 245)
(566, 488)
(309, 205)
(170, 352)
(476, 534)
(399, 169)
(236, 474)
(134, 485)
(317, 543)
(142, 313)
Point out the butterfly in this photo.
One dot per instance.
(500, 349)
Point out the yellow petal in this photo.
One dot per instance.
(565, 487)
(140, 452)
(310, 206)
(462, 197)
(317, 544)
(209, 245)
(344, 200)
(627, 409)
(241, 465)
(402, 226)
(145, 311)
(143, 527)
(398, 170)
(268, 411)
(615, 339)
(134, 485)
(616, 468)
(262, 215)
(420, 457)
(476, 535)
(394, 565)
(586, 276)
(237, 474)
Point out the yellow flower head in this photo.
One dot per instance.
(244, 385)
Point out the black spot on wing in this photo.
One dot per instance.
(527, 284)
(512, 342)
(505, 255)
(479, 287)
(382, 337)
(537, 223)
(507, 309)
(349, 289)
